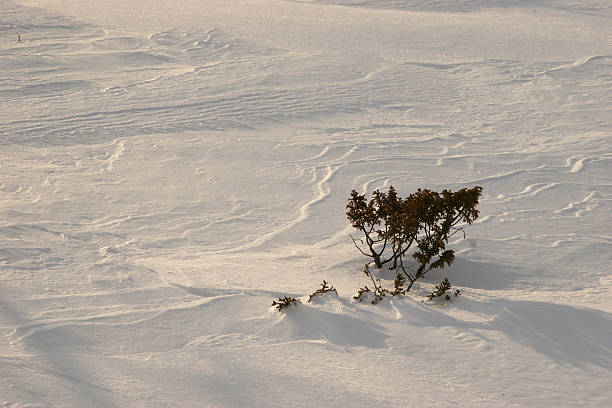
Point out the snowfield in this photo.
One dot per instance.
(168, 169)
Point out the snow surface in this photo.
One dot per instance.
(167, 169)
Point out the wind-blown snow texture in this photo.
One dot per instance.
(167, 169)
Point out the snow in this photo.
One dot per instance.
(168, 169)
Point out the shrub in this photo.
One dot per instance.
(365, 294)
(323, 290)
(441, 289)
(391, 225)
(285, 302)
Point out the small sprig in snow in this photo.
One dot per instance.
(323, 290)
(441, 290)
(285, 302)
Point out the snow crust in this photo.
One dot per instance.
(167, 169)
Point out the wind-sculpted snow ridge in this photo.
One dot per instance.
(165, 177)
(464, 6)
(128, 81)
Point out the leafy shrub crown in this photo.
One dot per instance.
(390, 225)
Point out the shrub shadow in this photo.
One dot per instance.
(567, 335)
(336, 328)
(463, 272)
